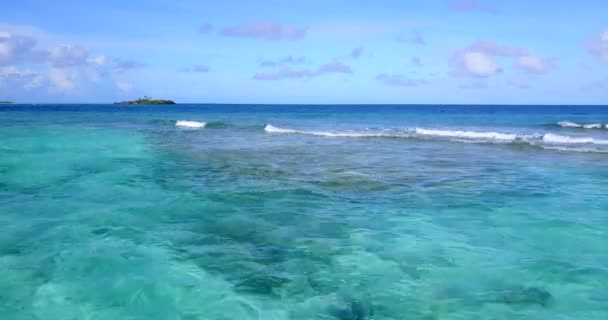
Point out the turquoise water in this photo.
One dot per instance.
(349, 213)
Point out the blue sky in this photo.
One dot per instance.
(444, 51)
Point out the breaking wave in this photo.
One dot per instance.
(569, 124)
(560, 139)
(190, 124)
(371, 134)
(467, 134)
(547, 140)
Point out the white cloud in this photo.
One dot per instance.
(36, 81)
(62, 79)
(11, 76)
(598, 46)
(59, 68)
(480, 64)
(266, 30)
(496, 49)
(122, 66)
(533, 64)
(480, 59)
(67, 56)
(334, 66)
(288, 60)
(475, 64)
(99, 60)
(14, 47)
(284, 73)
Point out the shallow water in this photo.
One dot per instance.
(111, 212)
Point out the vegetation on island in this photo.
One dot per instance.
(146, 100)
(6, 102)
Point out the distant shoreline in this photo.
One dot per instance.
(146, 100)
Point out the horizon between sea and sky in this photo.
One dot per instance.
(313, 52)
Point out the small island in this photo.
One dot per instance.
(146, 100)
(6, 102)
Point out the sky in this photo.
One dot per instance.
(298, 52)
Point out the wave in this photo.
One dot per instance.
(547, 141)
(417, 132)
(595, 126)
(190, 124)
(575, 149)
(569, 124)
(559, 139)
(532, 139)
(272, 129)
(467, 134)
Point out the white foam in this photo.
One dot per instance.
(467, 134)
(593, 126)
(190, 124)
(568, 124)
(547, 141)
(560, 139)
(272, 129)
(575, 149)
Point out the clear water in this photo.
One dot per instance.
(349, 212)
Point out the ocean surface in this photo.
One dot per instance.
(303, 212)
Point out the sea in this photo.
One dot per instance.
(345, 212)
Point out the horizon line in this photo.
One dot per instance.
(309, 104)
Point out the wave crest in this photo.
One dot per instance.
(547, 140)
(569, 124)
(560, 139)
(190, 124)
(272, 129)
(467, 134)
